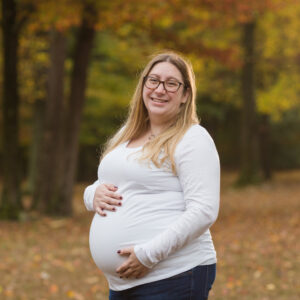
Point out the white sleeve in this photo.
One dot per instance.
(198, 170)
(88, 195)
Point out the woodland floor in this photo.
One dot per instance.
(257, 238)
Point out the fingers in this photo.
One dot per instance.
(140, 274)
(125, 251)
(132, 267)
(110, 198)
(111, 187)
(113, 196)
(132, 272)
(122, 268)
(106, 198)
(106, 202)
(100, 212)
(104, 193)
(128, 273)
(105, 206)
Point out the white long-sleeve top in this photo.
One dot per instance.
(166, 217)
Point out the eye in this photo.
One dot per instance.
(172, 83)
(152, 80)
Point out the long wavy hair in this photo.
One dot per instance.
(161, 148)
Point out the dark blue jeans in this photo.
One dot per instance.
(193, 284)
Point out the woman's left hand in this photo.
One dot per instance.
(132, 267)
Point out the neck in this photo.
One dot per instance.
(156, 127)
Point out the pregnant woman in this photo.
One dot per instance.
(157, 193)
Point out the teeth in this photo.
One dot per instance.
(159, 100)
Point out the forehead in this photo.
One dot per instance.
(166, 70)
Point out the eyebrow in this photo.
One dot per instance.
(170, 77)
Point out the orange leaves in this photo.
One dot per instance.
(233, 282)
(59, 14)
(53, 289)
(255, 237)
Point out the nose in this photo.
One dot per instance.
(160, 88)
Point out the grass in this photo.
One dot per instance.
(256, 237)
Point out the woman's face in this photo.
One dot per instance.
(161, 104)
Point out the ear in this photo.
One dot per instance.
(185, 95)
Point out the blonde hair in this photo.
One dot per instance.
(137, 122)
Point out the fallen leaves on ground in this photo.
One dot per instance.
(256, 238)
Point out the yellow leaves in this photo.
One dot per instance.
(165, 22)
(74, 295)
(92, 280)
(69, 266)
(275, 33)
(257, 274)
(270, 286)
(280, 97)
(37, 258)
(70, 294)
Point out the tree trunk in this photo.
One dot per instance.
(264, 142)
(37, 124)
(75, 103)
(35, 148)
(11, 198)
(48, 165)
(249, 172)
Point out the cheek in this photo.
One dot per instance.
(144, 95)
(178, 101)
(144, 99)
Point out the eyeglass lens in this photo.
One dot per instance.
(169, 85)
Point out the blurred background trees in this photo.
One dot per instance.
(69, 69)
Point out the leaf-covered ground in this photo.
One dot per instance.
(256, 237)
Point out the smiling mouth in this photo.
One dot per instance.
(159, 100)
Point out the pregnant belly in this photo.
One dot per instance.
(119, 230)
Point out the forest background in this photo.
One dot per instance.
(69, 69)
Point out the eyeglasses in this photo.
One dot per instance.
(170, 85)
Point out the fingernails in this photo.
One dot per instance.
(120, 203)
(119, 251)
(121, 197)
(115, 187)
(113, 209)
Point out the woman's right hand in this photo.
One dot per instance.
(106, 198)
